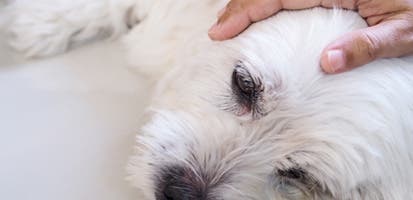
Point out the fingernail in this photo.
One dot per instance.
(336, 60)
(214, 28)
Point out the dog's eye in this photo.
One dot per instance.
(243, 81)
(292, 173)
(296, 182)
(246, 89)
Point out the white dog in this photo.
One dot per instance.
(249, 118)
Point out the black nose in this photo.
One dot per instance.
(180, 183)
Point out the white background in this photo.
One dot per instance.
(67, 124)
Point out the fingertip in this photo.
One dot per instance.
(229, 24)
(214, 32)
(219, 31)
(333, 61)
(325, 66)
(228, 29)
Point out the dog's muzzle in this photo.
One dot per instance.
(180, 183)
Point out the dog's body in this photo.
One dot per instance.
(249, 118)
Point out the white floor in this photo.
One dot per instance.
(67, 124)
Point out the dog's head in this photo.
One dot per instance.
(255, 118)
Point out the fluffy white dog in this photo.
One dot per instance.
(249, 118)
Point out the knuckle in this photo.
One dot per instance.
(368, 45)
(349, 4)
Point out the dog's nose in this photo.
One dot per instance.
(180, 183)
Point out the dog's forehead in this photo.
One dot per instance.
(274, 49)
(292, 42)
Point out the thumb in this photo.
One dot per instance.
(389, 39)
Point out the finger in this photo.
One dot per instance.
(347, 4)
(388, 39)
(239, 14)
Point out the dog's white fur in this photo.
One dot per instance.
(348, 136)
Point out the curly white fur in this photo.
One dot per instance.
(347, 136)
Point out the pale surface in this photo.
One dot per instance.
(67, 124)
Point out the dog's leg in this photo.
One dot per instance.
(47, 27)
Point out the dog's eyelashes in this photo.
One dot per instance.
(244, 81)
(246, 90)
(297, 182)
(292, 173)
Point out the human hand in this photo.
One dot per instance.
(390, 31)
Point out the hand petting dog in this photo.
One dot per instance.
(390, 31)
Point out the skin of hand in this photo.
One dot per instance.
(389, 35)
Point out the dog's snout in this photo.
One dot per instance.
(172, 193)
(180, 183)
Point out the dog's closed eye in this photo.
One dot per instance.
(243, 84)
(247, 91)
(297, 183)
